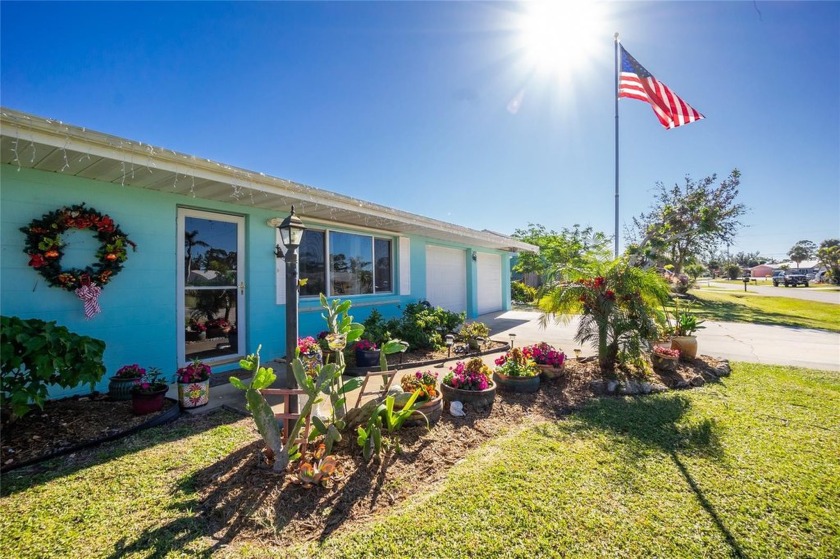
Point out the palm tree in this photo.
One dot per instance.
(190, 240)
(621, 307)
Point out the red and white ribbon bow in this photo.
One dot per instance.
(89, 294)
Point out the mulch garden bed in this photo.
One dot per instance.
(242, 499)
(68, 424)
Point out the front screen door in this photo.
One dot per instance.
(211, 286)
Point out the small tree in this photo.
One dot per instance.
(829, 255)
(802, 250)
(571, 248)
(685, 223)
(620, 309)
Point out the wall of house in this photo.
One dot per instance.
(138, 321)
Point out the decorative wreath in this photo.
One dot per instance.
(44, 247)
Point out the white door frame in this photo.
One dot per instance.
(239, 220)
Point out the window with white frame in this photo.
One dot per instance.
(339, 263)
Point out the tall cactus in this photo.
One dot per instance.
(267, 424)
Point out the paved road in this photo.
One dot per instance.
(753, 343)
(824, 294)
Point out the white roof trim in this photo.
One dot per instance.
(30, 141)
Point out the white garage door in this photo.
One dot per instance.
(489, 271)
(446, 278)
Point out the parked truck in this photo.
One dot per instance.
(790, 278)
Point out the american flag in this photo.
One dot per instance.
(637, 83)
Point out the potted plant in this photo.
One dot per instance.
(119, 388)
(469, 382)
(665, 359)
(549, 359)
(683, 339)
(367, 353)
(196, 331)
(309, 351)
(193, 385)
(148, 392)
(218, 328)
(429, 402)
(516, 373)
(474, 333)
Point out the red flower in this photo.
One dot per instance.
(610, 295)
(51, 254)
(37, 260)
(599, 281)
(106, 224)
(111, 256)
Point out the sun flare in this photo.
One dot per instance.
(560, 37)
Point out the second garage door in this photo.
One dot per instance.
(489, 272)
(446, 278)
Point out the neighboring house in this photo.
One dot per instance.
(763, 270)
(205, 239)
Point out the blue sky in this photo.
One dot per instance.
(406, 104)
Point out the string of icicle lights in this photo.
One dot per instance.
(243, 188)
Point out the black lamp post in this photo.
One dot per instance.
(291, 232)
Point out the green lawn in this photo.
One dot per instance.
(735, 306)
(747, 467)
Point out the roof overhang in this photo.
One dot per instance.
(28, 141)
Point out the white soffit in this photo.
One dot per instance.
(28, 141)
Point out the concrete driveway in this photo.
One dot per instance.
(818, 292)
(753, 343)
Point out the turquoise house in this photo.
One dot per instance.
(203, 279)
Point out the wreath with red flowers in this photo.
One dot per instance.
(44, 247)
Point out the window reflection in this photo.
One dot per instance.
(312, 263)
(351, 264)
(209, 252)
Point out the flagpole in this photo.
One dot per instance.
(616, 145)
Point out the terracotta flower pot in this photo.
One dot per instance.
(517, 384)
(687, 346)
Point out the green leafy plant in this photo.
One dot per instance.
(522, 293)
(150, 381)
(370, 438)
(685, 322)
(376, 329)
(35, 355)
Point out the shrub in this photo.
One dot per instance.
(421, 325)
(376, 329)
(733, 271)
(522, 293)
(37, 354)
(474, 330)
